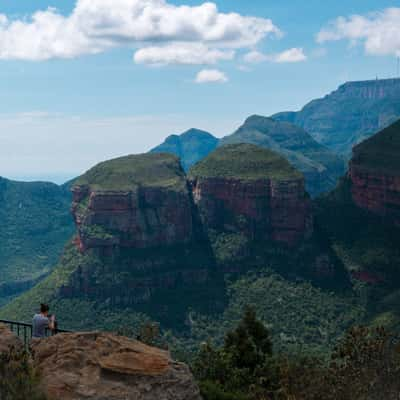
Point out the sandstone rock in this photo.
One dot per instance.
(100, 366)
(244, 188)
(8, 340)
(149, 207)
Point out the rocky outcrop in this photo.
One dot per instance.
(144, 217)
(262, 209)
(375, 174)
(102, 366)
(259, 205)
(150, 208)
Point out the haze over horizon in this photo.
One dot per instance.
(88, 81)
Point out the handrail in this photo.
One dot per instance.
(25, 331)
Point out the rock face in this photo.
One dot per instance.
(320, 167)
(139, 213)
(350, 114)
(102, 366)
(243, 188)
(138, 235)
(375, 174)
(191, 146)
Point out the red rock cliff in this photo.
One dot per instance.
(262, 209)
(142, 218)
(376, 192)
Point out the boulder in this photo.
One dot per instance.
(103, 366)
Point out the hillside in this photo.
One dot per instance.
(320, 167)
(35, 223)
(352, 113)
(191, 146)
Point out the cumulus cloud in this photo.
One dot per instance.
(95, 26)
(211, 76)
(181, 53)
(379, 32)
(288, 56)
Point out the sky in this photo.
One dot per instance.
(82, 81)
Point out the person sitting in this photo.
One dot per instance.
(41, 322)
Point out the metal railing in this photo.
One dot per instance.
(25, 331)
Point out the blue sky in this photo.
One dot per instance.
(65, 108)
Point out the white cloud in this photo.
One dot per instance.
(97, 25)
(255, 57)
(181, 53)
(211, 76)
(288, 56)
(379, 32)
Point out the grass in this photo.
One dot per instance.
(244, 162)
(128, 173)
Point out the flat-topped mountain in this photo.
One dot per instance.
(35, 223)
(254, 191)
(352, 113)
(321, 167)
(191, 146)
(375, 174)
(137, 201)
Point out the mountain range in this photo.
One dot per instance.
(190, 245)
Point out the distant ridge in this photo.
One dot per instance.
(319, 165)
(350, 114)
(191, 146)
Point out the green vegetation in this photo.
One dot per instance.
(299, 316)
(18, 378)
(364, 365)
(127, 173)
(191, 146)
(246, 162)
(381, 152)
(35, 223)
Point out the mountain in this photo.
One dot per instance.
(191, 146)
(153, 244)
(375, 174)
(321, 167)
(352, 113)
(35, 223)
(245, 189)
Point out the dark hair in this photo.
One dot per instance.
(44, 308)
